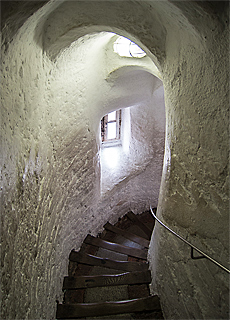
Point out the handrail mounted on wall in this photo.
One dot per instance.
(203, 255)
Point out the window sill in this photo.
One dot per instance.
(107, 144)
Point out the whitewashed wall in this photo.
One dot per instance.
(51, 165)
(50, 113)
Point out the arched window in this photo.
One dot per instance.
(126, 48)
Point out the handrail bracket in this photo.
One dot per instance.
(203, 254)
(198, 257)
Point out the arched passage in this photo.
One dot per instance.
(49, 158)
(140, 96)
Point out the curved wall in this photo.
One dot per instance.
(50, 150)
(194, 194)
(50, 161)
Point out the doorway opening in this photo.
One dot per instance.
(132, 129)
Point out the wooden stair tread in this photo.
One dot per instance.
(131, 236)
(122, 288)
(107, 263)
(106, 280)
(138, 253)
(72, 311)
(140, 224)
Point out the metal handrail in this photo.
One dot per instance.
(204, 255)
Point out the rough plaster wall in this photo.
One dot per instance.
(194, 196)
(50, 168)
(24, 159)
(38, 167)
(47, 163)
(50, 176)
(148, 125)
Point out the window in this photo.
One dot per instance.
(126, 48)
(111, 126)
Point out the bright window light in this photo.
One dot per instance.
(112, 116)
(126, 48)
(111, 126)
(111, 130)
(111, 157)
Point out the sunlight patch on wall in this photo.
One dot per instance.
(111, 157)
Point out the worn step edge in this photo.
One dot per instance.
(133, 252)
(128, 235)
(70, 311)
(107, 263)
(106, 280)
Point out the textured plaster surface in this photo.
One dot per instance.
(194, 195)
(55, 88)
(50, 161)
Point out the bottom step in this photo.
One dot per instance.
(73, 311)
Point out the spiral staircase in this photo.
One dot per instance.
(108, 278)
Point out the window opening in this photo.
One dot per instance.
(111, 126)
(126, 48)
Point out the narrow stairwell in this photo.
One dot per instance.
(108, 278)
